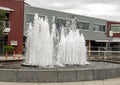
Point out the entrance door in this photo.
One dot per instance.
(3, 42)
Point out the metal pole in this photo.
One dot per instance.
(3, 47)
(99, 51)
(89, 47)
(109, 45)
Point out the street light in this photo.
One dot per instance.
(110, 38)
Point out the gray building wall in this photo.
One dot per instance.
(89, 34)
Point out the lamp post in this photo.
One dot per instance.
(110, 38)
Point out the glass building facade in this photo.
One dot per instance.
(97, 27)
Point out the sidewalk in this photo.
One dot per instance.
(10, 58)
(114, 81)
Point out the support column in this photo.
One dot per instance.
(89, 47)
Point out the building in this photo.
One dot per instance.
(20, 14)
(15, 13)
(113, 32)
(92, 28)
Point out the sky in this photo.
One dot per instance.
(104, 9)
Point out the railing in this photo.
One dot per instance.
(102, 53)
(94, 48)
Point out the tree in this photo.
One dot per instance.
(3, 17)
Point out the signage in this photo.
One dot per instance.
(110, 33)
(13, 42)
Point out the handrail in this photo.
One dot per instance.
(105, 51)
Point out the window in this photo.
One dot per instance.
(7, 24)
(63, 22)
(102, 28)
(3, 42)
(30, 17)
(83, 25)
(7, 15)
(97, 27)
(115, 28)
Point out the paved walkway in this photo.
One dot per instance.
(10, 58)
(114, 81)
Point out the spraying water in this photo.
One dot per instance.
(41, 45)
(72, 50)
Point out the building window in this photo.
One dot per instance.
(115, 28)
(30, 17)
(6, 24)
(97, 27)
(83, 25)
(63, 22)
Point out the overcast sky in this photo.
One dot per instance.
(105, 9)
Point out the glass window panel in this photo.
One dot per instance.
(115, 28)
(63, 22)
(97, 27)
(82, 25)
(30, 18)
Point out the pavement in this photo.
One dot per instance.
(113, 81)
(12, 58)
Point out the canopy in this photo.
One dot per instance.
(113, 40)
(5, 8)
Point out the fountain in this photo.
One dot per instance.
(59, 57)
(41, 47)
(39, 43)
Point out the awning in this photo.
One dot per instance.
(113, 40)
(5, 8)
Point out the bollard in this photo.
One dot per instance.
(13, 54)
(6, 55)
(19, 55)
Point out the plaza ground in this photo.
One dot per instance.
(10, 58)
(113, 81)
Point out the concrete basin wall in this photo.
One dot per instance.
(57, 75)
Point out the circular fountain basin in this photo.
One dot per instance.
(93, 71)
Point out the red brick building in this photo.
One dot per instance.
(115, 27)
(15, 13)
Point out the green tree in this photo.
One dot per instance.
(3, 17)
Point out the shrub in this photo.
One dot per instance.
(9, 49)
